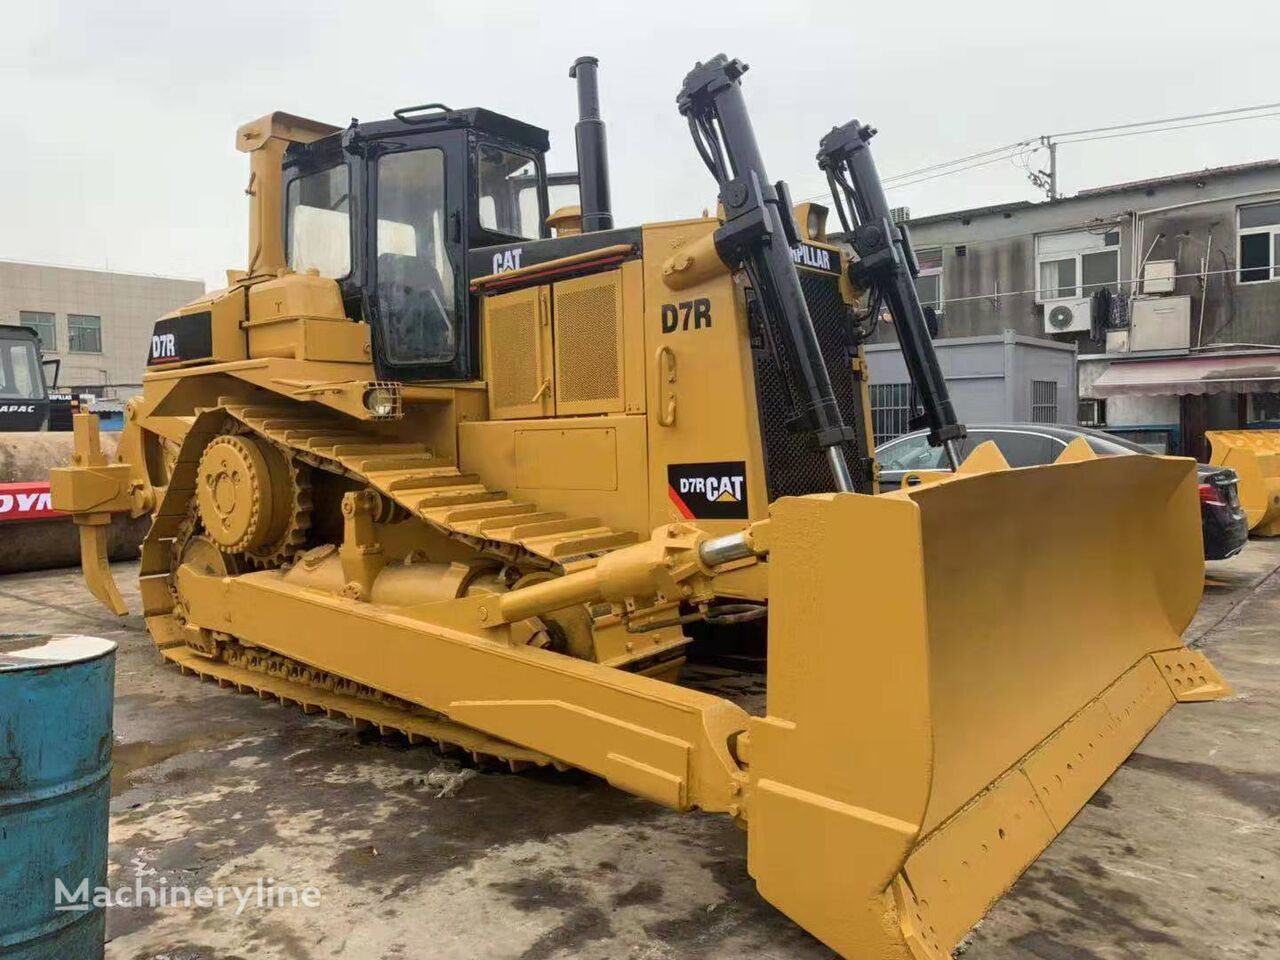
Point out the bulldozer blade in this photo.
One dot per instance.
(1255, 457)
(953, 671)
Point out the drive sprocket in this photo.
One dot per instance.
(253, 498)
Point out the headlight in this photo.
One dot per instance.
(381, 402)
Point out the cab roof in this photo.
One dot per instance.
(438, 117)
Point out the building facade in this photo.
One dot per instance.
(994, 379)
(96, 323)
(1152, 281)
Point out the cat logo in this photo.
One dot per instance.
(709, 491)
(505, 260)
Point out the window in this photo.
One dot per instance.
(1021, 449)
(19, 373)
(1076, 264)
(42, 324)
(562, 195)
(508, 193)
(910, 453)
(318, 222)
(416, 284)
(1258, 227)
(1057, 279)
(890, 410)
(929, 283)
(1092, 411)
(84, 333)
(1044, 401)
(1264, 408)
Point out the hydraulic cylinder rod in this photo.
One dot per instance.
(757, 235)
(888, 265)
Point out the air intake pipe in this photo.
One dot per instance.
(593, 157)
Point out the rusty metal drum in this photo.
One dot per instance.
(55, 788)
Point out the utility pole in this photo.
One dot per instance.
(1047, 180)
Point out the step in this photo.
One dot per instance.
(503, 527)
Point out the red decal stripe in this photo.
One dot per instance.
(680, 504)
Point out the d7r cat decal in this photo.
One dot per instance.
(709, 491)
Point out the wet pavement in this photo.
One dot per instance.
(413, 854)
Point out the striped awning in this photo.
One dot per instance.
(1242, 373)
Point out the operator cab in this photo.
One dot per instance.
(389, 209)
(24, 398)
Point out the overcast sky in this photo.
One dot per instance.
(118, 118)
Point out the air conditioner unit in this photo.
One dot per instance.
(1068, 316)
(1158, 276)
(1118, 341)
(1160, 323)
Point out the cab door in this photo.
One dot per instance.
(417, 280)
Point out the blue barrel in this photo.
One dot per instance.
(55, 792)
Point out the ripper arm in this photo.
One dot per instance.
(91, 490)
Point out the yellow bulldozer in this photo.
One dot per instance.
(426, 466)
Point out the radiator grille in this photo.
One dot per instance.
(513, 351)
(793, 465)
(588, 372)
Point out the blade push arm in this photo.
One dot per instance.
(679, 563)
(888, 265)
(757, 235)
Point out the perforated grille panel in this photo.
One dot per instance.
(513, 352)
(794, 466)
(588, 371)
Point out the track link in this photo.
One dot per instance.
(457, 504)
(273, 677)
(431, 489)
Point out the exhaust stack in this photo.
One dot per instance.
(593, 158)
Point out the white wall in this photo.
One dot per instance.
(127, 303)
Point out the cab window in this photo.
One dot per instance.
(911, 453)
(318, 222)
(19, 372)
(508, 193)
(416, 278)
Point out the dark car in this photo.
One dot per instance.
(1226, 530)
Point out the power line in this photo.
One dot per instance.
(946, 173)
(909, 179)
(1184, 126)
(950, 163)
(1011, 151)
(1148, 123)
(996, 295)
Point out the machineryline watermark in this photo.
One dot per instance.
(265, 894)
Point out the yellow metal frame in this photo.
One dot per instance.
(933, 719)
(1255, 457)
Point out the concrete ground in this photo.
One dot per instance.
(415, 855)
